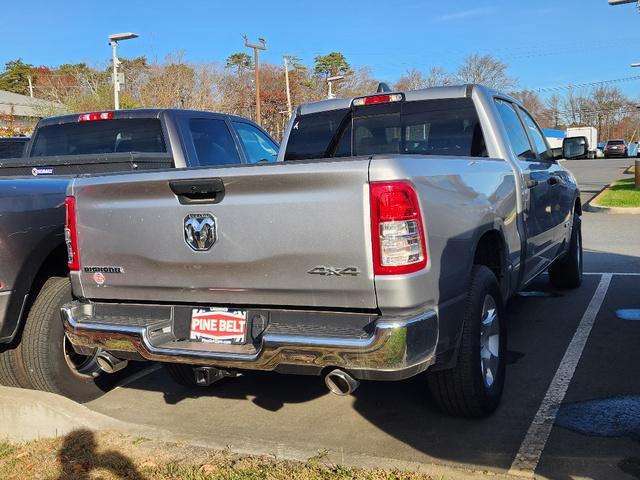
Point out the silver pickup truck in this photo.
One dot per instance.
(383, 244)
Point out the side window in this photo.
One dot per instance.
(538, 138)
(213, 142)
(515, 131)
(258, 146)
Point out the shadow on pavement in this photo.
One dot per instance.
(270, 391)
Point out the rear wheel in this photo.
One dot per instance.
(566, 272)
(48, 356)
(473, 388)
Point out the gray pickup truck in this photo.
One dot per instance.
(383, 244)
(33, 258)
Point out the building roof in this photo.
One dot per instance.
(24, 106)
(554, 133)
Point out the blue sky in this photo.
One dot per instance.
(547, 43)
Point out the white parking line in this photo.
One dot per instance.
(528, 456)
(138, 375)
(623, 274)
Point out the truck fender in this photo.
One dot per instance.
(46, 259)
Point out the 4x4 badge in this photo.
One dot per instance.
(328, 271)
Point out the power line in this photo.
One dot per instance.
(588, 84)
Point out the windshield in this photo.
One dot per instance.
(427, 127)
(615, 142)
(101, 136)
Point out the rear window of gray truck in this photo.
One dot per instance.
(427, 127)
(100, 136)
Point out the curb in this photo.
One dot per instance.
(31, 414)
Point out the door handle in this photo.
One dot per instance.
(532, 183)
(189, 192)
(554, 180)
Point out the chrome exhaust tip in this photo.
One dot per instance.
(110, 364)
(340, 382)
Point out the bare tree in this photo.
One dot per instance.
(486, 70)
(357, 82)
(412, 80)
(415, 80)
(438, 77)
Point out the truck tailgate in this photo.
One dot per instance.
(287, 234)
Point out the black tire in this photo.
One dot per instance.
(465, 391)
(12, 371)
(181, 374)
(46, 353)
(566, 272)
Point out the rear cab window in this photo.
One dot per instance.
(100, 136)
(443, 127)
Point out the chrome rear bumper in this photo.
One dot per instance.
(395, 349)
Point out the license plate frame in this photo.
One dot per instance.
(221, 325)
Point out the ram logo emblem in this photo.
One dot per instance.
(200, 231)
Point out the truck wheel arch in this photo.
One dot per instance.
(490, 250)
(47, 259)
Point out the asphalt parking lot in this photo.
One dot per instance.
(571, 407)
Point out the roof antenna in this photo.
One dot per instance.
(383, 88)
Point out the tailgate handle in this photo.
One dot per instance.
(190, 192)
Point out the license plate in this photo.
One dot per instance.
(218, 325)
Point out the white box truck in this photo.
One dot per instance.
(591, 134)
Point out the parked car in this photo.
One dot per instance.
(33, 255)
(616, 148)
(12, 146)
(382, 245)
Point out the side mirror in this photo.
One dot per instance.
(556, 154)
(574, 147)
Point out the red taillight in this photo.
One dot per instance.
(385, 98)
(397, 234)
(89, 117)
(71, 234)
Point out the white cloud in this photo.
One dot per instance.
(472, 12)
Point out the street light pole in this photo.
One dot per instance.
(286, 81)
(116, 84)
(330, 81)
(262, 46)
(113, 41)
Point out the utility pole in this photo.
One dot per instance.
(30, 86)
(286, 80)
(262, 46)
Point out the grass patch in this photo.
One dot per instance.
(86, 455)
(7, 449)
(620, 194)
